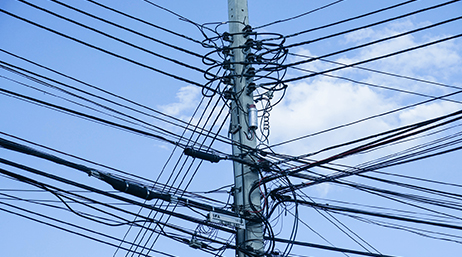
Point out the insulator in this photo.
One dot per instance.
(250, 58)
(227, 80)
(253, 117)
(249, 43)
(227, 37)
(247, 30)
(251, 87)
(266, 124)
(227, 65)
(250, 72)
(228, 94)
(226, 50)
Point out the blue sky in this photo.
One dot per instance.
(308, 106)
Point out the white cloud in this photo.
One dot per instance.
(187, 98)
(427, 111)
(359, 35)
(321, 103)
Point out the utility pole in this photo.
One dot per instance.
(243, 128)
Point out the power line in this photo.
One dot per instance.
(382, 87)
(375, 42)
(369, 25)
(116, 38)
(371, 59)
(381, 72)
(300, 15)
(111, 53)
(133, 31)
(184, 126)
(351, 19)
(362, 120)
(144, 21)
(87, 116)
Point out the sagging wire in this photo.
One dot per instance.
(263, 64)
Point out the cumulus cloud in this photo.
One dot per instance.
(187, 98)
(321, 103)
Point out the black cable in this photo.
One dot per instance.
(128, 118)
(334, 208)
(364, 119)
(134, 32)
(382, 72)
(221, 138)
(382, 87)
(144, 21)
(101, 175)
(184, 163)
(105, 241)
(329, 248)
(89, 117)
(116, 38)
(171, 174)
(55, 190)
(367, 60)
(101, 192)
(300, 15)
(353, 18)
(109, 52)
(137, 122)
(342, 224)
(205, 138)
(406, 199)
(393, 138)
(154, 185)
(370, 25)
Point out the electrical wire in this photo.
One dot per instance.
(116, 38)
(364, 119)
(382, 72)
(144, 21)
(382, 87)
(109, 52)
(300, 15)
(377, 41)
(175, 122)
(351, 19)
(367, 26)
(134, 31)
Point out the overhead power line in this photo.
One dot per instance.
(144, 21)
(101, 192)
(382, 87)
(300, 15)
(185, 125)
(380, 72)
(376, 41)
(364, 119)
(134, 31)
(369, 60)
(110, 53)
(369, 25)
(351, 19)
(87, 116)
(117, 38)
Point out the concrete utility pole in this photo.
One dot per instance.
(243, 133)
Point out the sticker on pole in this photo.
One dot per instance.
(226, 220)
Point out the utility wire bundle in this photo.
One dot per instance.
(149, 209)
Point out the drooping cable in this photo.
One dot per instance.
(351, 19)
(300, 15)
(109, 52)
